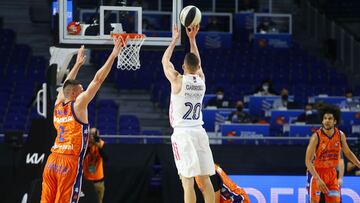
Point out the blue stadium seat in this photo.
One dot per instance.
(106, 104)
(129, 122)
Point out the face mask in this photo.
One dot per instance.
(219, 96)
(309, 112)
(349, 99)
(265, 88)
(285, 97)
(239, 108)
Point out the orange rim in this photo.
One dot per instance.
(127, 35)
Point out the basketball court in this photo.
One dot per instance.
(241, 46)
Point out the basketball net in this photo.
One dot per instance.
(129, 56)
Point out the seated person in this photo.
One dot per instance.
(283, 103)
(219, 101)
(239, 116)
(265, 89)
(308, 117)
(351, 104)
(226, 191)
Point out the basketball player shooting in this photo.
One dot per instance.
(62, 174)
(189, 140)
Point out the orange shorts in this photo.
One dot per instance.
(61, 179)
(329, 176)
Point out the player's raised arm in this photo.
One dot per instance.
(169, 70)
(347, 152)
(80, 60)
(85, 97)
(191, 33)
(310, 153)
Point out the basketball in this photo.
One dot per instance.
(190, 15)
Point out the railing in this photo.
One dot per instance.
(273, 140)
(321, 28)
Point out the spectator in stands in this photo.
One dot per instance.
(93, 163)
(239, 116)
(267, 26)
(265, 89)
(283, 102)
(351, 103)
(308, 117)
(219, 101)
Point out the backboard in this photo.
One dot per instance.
(91, 22)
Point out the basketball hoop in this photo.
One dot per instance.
(128, 58)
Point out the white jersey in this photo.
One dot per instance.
(185, 107)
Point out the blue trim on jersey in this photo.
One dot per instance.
(227, 194)
(308, 178)
(77, 186)
(74, 114)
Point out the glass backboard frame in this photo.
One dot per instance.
(68, 40)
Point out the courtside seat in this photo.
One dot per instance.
(129, 122)
(106, 104)
(129, 125)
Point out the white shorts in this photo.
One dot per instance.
(192, 152)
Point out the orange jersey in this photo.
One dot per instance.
(64, 168)
(93, 163)
(230, 192)
(72, 134)
(328, 150)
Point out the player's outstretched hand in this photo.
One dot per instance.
(322, 186)
(80, 58)
(119, 43)
(192, 31)
(175, 33)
